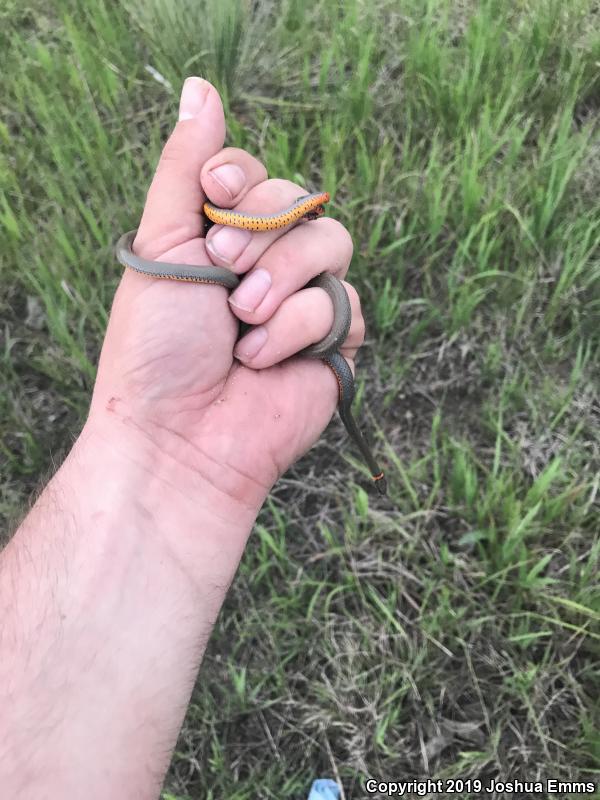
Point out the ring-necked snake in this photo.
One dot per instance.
(305, 208)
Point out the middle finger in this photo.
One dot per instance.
(304, 252)
(238, 249)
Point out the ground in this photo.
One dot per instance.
(450, 630)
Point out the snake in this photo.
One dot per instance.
(305, 208)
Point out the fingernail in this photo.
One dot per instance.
(230, 177)
(252, 290)
(193, 95)
(251, 344)
(228, 244)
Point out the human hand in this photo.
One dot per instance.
(167, 369)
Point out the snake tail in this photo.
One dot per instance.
(355, 433)
(345, 379)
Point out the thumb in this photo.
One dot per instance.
(173, 211)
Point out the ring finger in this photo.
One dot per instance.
(302, 319)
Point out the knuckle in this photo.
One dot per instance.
(340, 237)
(281, 191)
(238, 155)
(173, 151)
(235, 155)
(359, 329)
(358, 326)
(345, 239)
(353, 296)
(229, 153)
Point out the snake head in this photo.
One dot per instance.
(314, 213)
(316, 204)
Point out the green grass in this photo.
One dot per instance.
(453, 630)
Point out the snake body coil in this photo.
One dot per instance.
(327, 350)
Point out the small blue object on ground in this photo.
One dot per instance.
(324, 789)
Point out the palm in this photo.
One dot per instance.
(174, 348)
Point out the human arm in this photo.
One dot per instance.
(109, 589)
(108, 594)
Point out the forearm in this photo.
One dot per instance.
(108, 593)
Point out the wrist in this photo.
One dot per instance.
(117, 477)
(168, 442)
(169, 470)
